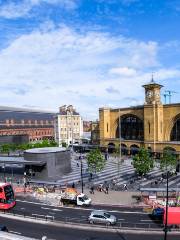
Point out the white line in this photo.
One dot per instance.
(121, 219)
(146, 220)
(52, 209)
(15, 232)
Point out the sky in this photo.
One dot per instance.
(88, 53)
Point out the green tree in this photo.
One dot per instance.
(95, 161)
(64, 144)
(168, 160)
(142, 162)
(5, 148)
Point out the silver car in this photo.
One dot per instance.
(99, 216)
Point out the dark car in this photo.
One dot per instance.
(3, 228)
(158, 213)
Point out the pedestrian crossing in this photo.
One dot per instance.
(110, 172)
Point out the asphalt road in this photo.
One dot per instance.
(36, 230)
(126, 217)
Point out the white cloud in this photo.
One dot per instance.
(16, 10)
(62, 66)
(123, 71)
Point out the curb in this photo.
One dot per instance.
(119, 205)
(93, 204)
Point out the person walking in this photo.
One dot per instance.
(107, 189)
(92, 189)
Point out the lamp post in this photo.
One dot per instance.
(4, 173)
(119, 159)
(82, 187)
(167, 200)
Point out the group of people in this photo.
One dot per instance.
(100, 188)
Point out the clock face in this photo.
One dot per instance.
(149, 94)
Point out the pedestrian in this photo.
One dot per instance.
(107, 188)
(73, 185)
(77, 164)
(92, 189)
(91, 175)
(125, 186)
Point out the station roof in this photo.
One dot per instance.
(20, 160)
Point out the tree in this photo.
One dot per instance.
(64, 144)
(142, 162)
(168, 160)
(95, 161)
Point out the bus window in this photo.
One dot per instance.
(7, 197)
(9, 194)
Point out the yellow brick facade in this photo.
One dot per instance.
(158, 122)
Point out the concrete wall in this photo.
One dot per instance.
(57, 164)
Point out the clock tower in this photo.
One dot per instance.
(153, 114)
(152, 92)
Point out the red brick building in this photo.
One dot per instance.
(35, 125)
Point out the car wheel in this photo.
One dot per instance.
(91, 221)
(108, 223)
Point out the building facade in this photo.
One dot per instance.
(95, 133)
(68, 126)
(26, 124)
(154, 125)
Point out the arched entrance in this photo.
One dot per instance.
(150, 151)
(134, 149)
(132, 128)
(124, 149)
(111, 147)
(170, 149)
(175, 133)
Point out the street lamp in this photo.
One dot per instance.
(82, 187)
(119, 159)
(167, 200)
(4, 172)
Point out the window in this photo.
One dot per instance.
(96, 216)
(81, 199)
(107, 127)
(149, 127)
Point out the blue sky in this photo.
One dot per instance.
(89, 53)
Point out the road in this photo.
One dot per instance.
(36, 230)
(126, 217)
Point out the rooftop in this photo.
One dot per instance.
(46, 150)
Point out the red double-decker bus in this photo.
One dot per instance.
(7, 197)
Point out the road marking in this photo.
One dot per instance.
(85, 209)
(22, 208)
(146, 220)
(121, 219)
(52, 209)
(15, 232)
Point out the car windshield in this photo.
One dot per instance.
(85, 197)
(107, 215)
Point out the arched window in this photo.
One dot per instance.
(132, 128)
(175, 133)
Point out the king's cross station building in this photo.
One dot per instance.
(154, 125)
